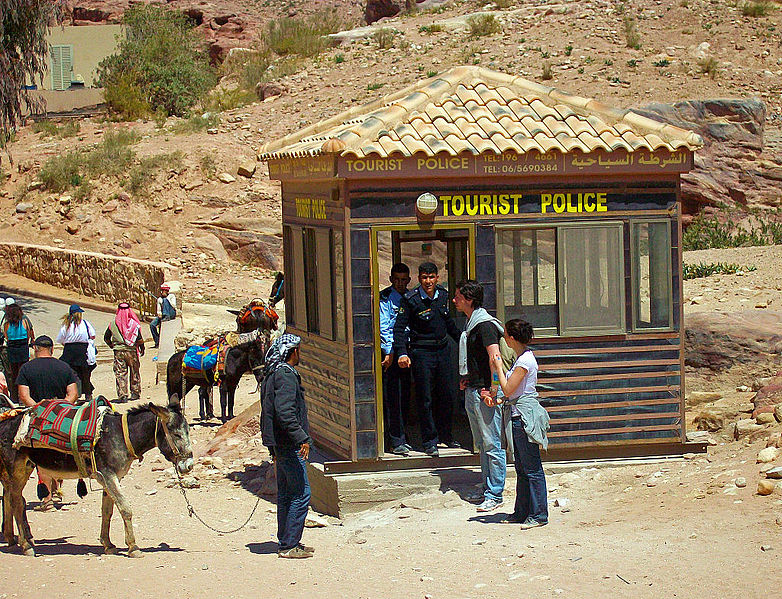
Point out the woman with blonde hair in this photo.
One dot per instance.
(75, 335)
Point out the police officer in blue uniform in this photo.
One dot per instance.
(396, 381)
(421, 335)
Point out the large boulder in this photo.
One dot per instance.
(717, 340)
(769, 398)
(379, 9)
(733, 166)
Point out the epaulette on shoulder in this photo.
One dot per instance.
(411, 294)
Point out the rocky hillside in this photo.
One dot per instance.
(193, 193)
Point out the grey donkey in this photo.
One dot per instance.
(148, 426)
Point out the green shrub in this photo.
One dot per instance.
(482, 25)
(374, 86)
(433, 28)
(304, 37)
(503, 3)
(568, 49)
(700, 270)
(431, 73)
(384, 38)
(220, 100)
(632, 37)
(208, 166)
(113, 155)
(757, 9)
(339, 58)
(663, 62)
(124, 96)
(145, 170)
(158, 64)
(52, 129)
(196, 123)
(709, 232)
(60, 172)
(709, 66)
(632, 63)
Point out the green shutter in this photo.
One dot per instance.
(61, 66)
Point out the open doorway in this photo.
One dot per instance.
(451, 249)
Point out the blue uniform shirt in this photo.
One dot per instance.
(390, 299)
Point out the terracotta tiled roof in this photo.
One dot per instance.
(474, 110)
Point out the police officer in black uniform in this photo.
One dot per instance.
(424, 349)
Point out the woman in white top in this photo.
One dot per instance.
(75, 335)
(530, 422)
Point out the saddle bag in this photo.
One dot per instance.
(200, 357)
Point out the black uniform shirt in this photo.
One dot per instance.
(428, 318)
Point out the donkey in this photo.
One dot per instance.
(255, 316)
(240, 359)
(148, 426)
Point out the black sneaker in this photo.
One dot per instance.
(401, 450)
(453, 445)
(432, 451)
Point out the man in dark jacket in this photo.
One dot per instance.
(423, 325)
(285, 431)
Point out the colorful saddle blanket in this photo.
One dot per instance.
(257, 305)
(51, 421)
(201, 357)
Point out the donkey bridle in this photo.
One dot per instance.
(158, 421)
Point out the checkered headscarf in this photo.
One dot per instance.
(279, 351)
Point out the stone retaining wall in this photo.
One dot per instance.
(109, 278)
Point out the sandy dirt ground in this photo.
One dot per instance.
(680, 528)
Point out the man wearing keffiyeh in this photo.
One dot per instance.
(123, 335)
(285, 431)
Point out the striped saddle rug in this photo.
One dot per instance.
(51, 422)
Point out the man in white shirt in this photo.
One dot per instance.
(166, 310)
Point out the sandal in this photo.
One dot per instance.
(45, 506)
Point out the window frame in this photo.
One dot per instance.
(500, 281)
(634, 282)
(561, 331)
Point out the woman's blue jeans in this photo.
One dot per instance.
(531, 494)
(293, 497)
(486, 426)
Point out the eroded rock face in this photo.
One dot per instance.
(718, 340)
(733, 166)
(378, 9)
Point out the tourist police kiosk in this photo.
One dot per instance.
(565, 209)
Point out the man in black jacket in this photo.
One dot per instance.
(421, 333)
(285, 431)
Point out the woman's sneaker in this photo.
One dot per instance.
(489, 505)
(297, 552)
(530, 523)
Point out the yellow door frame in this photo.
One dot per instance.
(375, 278)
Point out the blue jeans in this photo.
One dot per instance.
(293, 497)
(486, 424)
(531, 494)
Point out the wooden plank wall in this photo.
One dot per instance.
(604, 390)
(325, 376)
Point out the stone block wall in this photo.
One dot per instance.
(109, 278)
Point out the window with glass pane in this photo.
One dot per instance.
(290, 275)
(310, 279)
(338, 261)
(527, 275)
(652, 275)
(592, 279)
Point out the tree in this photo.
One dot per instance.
(23, 56)
(159, 64)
